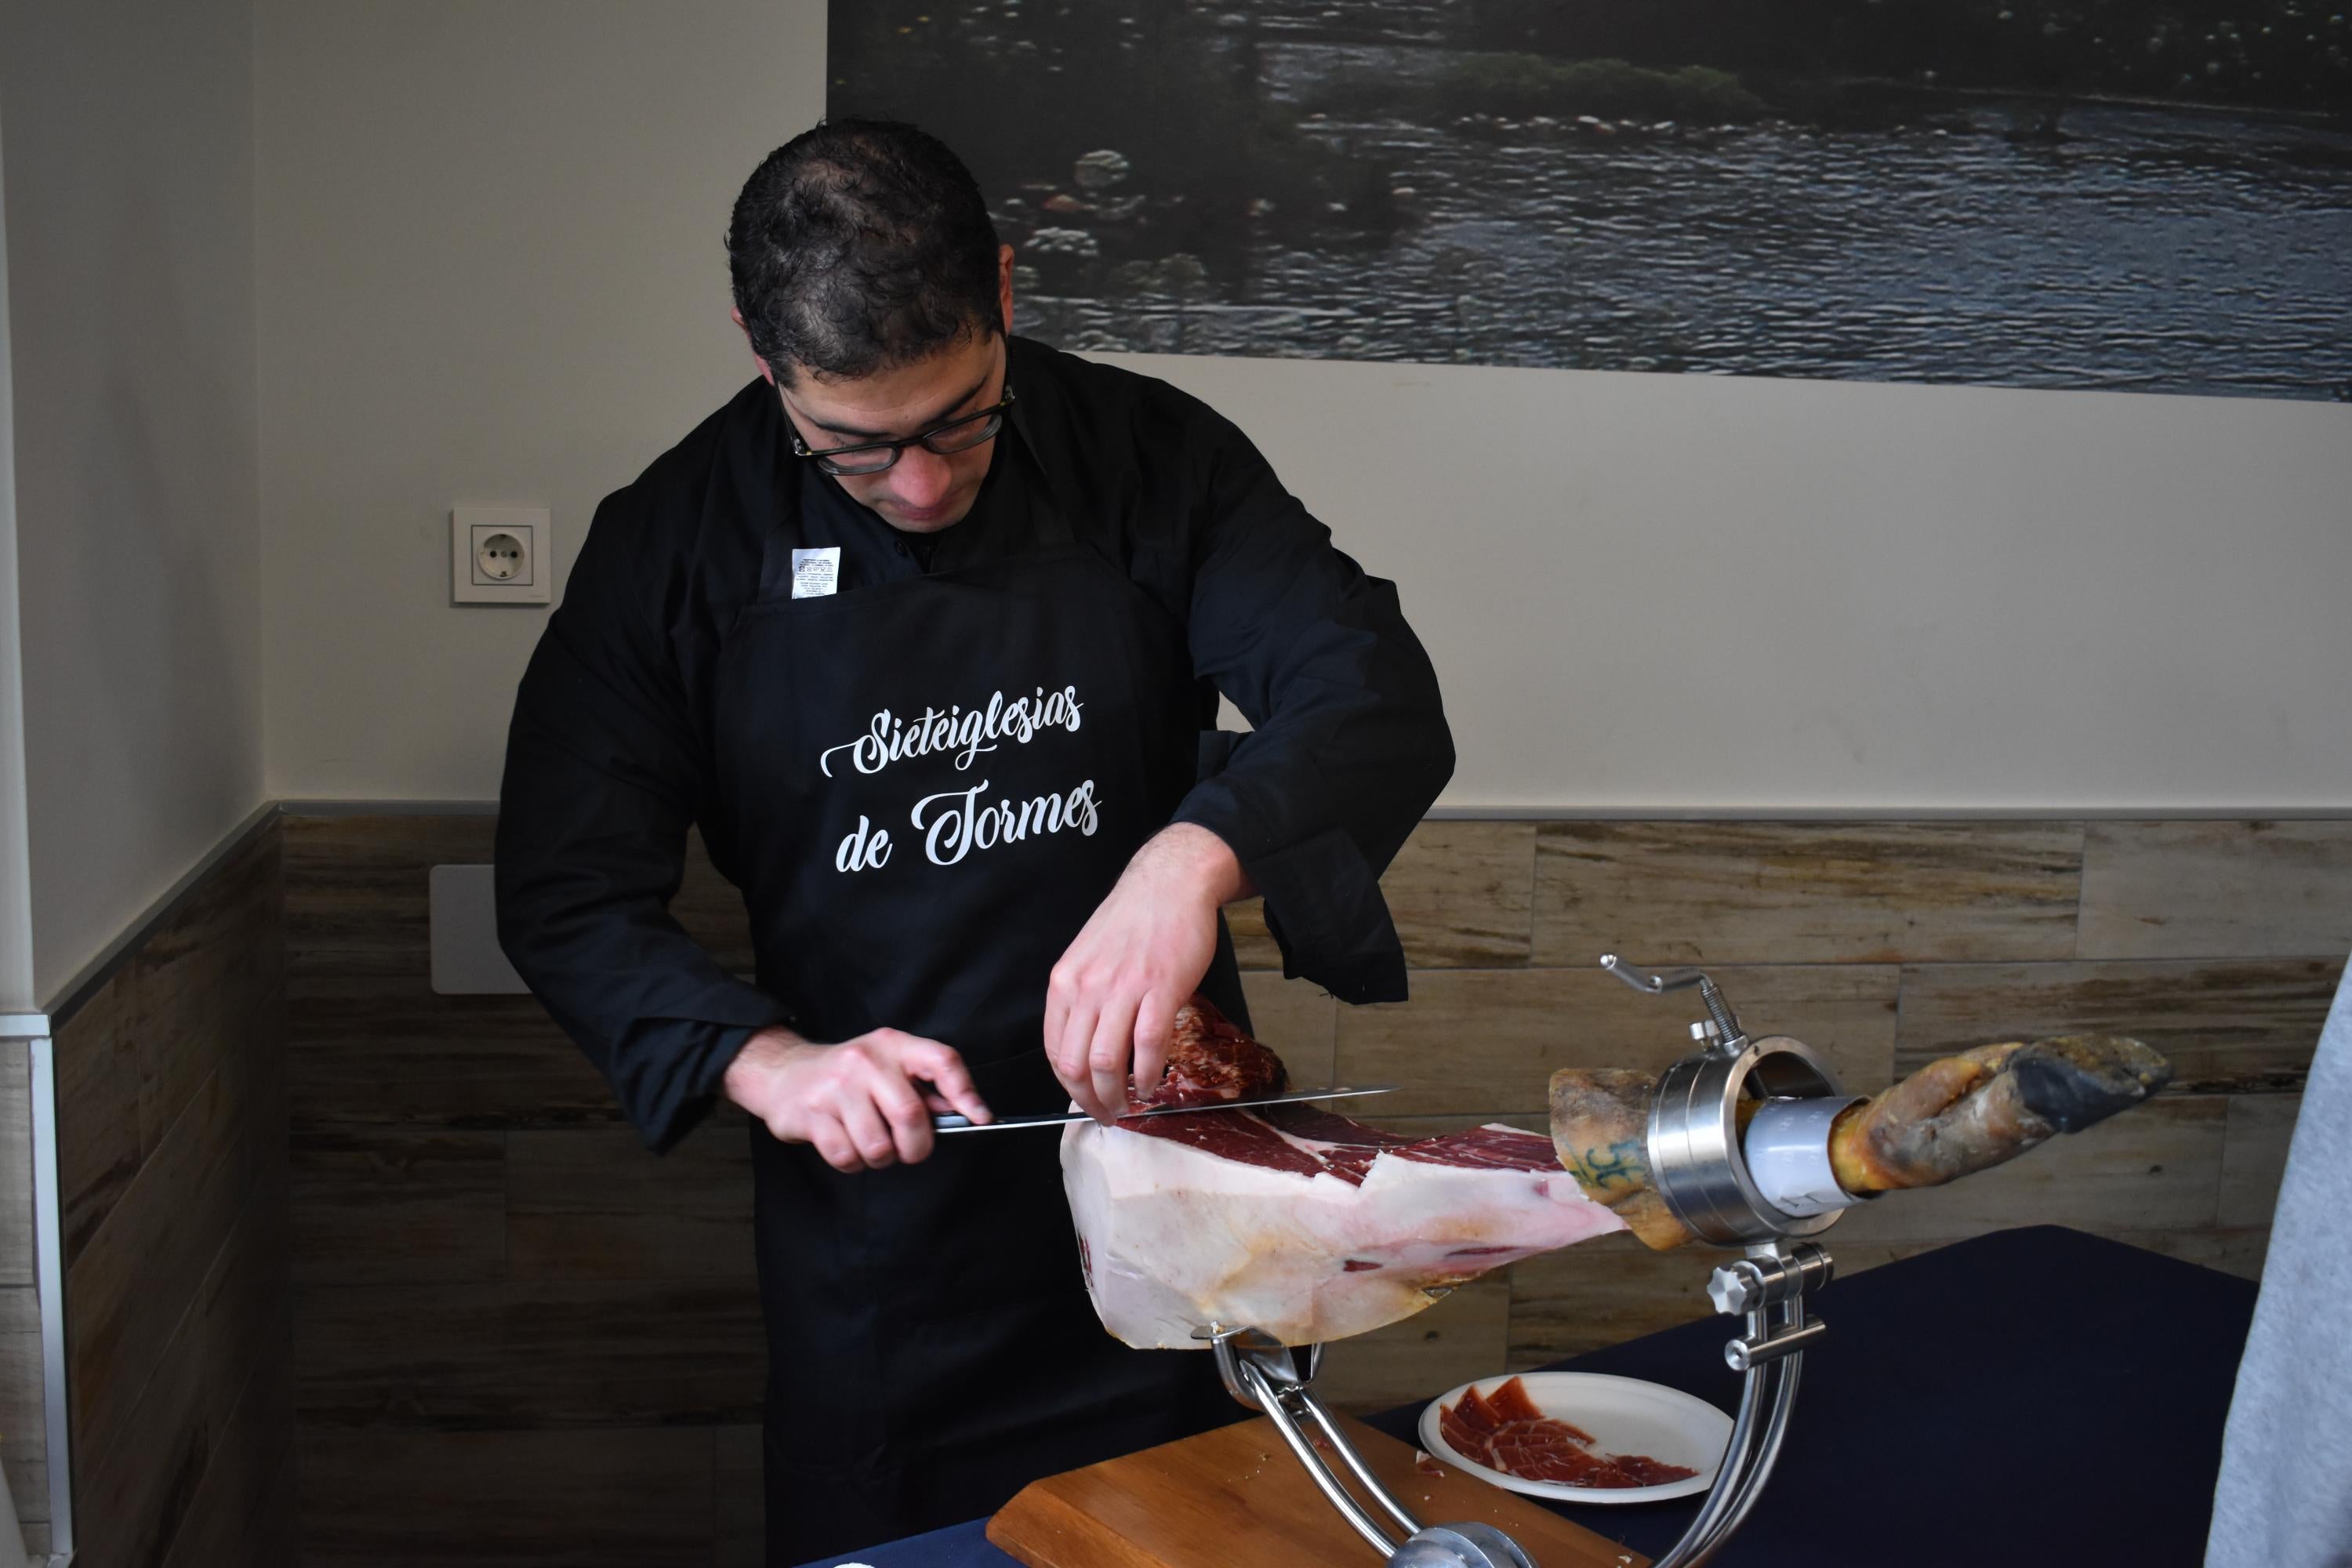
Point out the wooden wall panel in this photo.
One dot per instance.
(2253, 1157)
(98, 1099)
(1462, 894)
(508, 1306)
(1476, 1041)
(132, 1493)
(544, 1354)
(588, 1497)
(1462, 1337)
(1805, 892)
(2157, 1168)
(16, 1252)
(1299, 1020)
(593, 1205)
(384, 1049)
(2227, 1025)
(1254, 945)
(357, 900)
(24, 1445)
(554, 1334)
(246, 1303)
(207, 982)
(242, 1508)
(132, 1286)
(1602, 1292)
(398, 1204)
(741, 1526)
(2233, 1251)
(2216, 889)
(1613, 1288)
(173, 1153)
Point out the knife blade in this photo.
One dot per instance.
(964, 1124)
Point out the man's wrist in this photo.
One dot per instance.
(760, 1054)
(1200, 860)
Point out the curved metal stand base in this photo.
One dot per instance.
(1460, 1546)
(1263, 1374)
(1769, 1289)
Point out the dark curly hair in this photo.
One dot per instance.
(860, 246)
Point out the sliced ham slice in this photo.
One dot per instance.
(1295, 1220)
(1506, 1431)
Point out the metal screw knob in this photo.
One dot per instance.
(1735, 1288)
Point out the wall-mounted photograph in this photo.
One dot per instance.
(2120, 194)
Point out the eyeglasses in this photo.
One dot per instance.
(958, 434)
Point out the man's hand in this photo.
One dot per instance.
(864, 1103)
(1113, 998)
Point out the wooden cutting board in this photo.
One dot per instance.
(1235, 1498)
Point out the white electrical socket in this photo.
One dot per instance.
(499, 555)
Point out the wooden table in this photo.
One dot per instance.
(2033, 1396)
(1236, 1498)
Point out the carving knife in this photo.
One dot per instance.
(963, 1124)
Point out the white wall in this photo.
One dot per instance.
(1654, 593)
(128, 132)
(492, 270)
(16, 993)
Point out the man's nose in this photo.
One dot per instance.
(924, 478)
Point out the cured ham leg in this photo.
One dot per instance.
(1962, 1113)
(1291, 1219)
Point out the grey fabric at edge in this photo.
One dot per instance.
(2284, 1497)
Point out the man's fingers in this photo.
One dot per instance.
(1155, 1021)
(1108, 1056)
(1058, 1022)
(943, 1066)
(1071, 1063)
(823, 1133)
(867, 1131)
(909, 1124)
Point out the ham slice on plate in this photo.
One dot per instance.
(1504, 1431)
(1295, 1220)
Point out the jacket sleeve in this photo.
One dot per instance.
(1349, 743)
(600, 785)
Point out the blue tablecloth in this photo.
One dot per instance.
(2032, 1396)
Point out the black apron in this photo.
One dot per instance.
(934, 783)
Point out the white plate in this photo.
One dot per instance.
(1625, 1414)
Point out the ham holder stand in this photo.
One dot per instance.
(1769, 1191)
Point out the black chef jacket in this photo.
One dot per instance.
(609, 754)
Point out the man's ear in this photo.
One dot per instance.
(736, 316)
(1003, 286)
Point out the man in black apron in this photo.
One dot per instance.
(924, 629)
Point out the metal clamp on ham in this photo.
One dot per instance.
(1737, 1146)
(1755, 1143)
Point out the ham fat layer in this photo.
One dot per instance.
(1296, 1220)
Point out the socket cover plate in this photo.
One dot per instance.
(470, 525)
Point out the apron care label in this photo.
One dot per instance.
(953, 823)
(816, 573)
